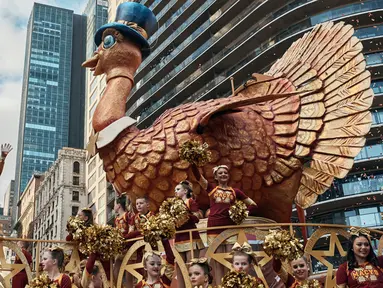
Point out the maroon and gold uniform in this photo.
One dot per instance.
(63, 281)
(122, 223)
(182, 241)
(220, 201)
(20, 280)
(364, 276)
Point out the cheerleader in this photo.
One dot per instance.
(152, 262)
(244, 259)
(86, 215)
(143, 212)
(300, 269)
(91, 276)
(52, 263)
(20, 280)
(221, 197)
(200, 273)
(363, 268)
(182, 241)
(124, 217)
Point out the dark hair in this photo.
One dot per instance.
(143, 197)
(188, 187)
(58, 255)
(351, 261)
(24, 244)
(206, 270)
(88, 213)
(95, 270)
(249, 257)
(122, 201)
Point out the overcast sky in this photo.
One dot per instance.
(14, 16)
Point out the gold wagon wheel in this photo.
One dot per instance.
(2, 281)
(14, 268)
(320, 255)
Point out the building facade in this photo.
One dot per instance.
(100, 193)
(5, 226)
(9, 199)
(199, 46)
(53, 93)
(26, 207)
(60, 195)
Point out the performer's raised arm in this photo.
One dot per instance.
(5, 149)
(199, 177)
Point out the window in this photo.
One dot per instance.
(76, 167)
(94, 210)
(76, 180)
(100, 170)
(92, 180)
(101, 217)
(91, 195)
(74, 210)
(101, 201)
(101, 185)
(76, 196)
(92, 165)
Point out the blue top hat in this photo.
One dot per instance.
(132, 13)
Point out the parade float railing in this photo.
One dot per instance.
(326, 241)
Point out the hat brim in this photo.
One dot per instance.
(132, 34)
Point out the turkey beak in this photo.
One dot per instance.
(92, 62)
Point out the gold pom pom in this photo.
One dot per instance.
(235, 279)
(282, 245)
(313, 283)
(176, 209)
(42, 281)
(157, 227)
(76, 227)
(238, 212)
(195, 153)
(104, 240)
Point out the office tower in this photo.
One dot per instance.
(100, 195)
(9, 198)
(53, 92)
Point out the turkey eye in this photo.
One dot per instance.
(109, 41)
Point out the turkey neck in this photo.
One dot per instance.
(112, 104)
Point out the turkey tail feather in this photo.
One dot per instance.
(330, 56)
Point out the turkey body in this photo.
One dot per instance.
(147, 162)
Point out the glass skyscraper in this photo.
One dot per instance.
(53, 96)
(96, 12)
(100, 196)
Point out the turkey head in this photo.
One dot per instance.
(118, 58)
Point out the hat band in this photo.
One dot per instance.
(135, 27)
